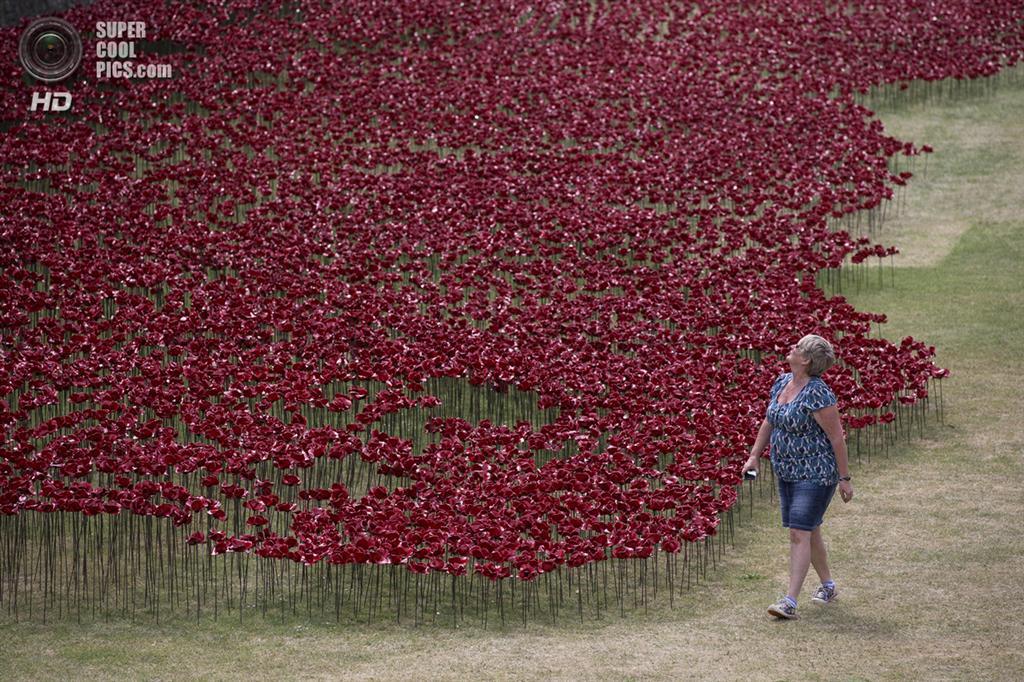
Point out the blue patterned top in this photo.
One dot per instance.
(800, 449)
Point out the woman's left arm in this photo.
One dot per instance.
(828, 420)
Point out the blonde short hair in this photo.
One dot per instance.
(819, 351)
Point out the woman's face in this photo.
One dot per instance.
(797, 359)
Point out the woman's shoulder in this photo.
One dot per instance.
(820, 383)
(819, 394)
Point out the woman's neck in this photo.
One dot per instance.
(800, 378)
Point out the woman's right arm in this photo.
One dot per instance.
(763, 434)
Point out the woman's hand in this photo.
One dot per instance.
(764, 432)
(846, 490)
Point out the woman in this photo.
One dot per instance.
(809, 458)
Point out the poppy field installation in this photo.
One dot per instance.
(443, 310)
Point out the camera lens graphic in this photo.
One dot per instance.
(50, 49)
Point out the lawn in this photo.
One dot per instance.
(927, 556)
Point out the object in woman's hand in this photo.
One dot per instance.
(750, 474)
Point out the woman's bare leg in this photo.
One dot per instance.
(819, 557)
(799, 559)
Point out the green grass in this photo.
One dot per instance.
(973, 171)
(928, 556)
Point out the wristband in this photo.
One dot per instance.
(844, 478)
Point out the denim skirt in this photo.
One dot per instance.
(803, 503)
